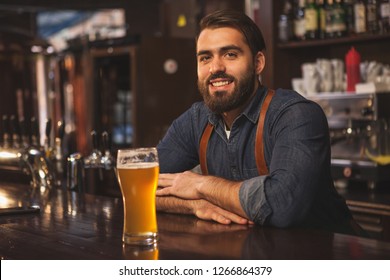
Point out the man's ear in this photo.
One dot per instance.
(259, 62)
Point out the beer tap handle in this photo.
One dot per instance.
(95, 145)
(15, 132)
(6, 140)
(106, 142)
(35, 132)
(107, 159)
(48, 132)
(60, 130)
(58, 140)
(23, 133)
(94, 159)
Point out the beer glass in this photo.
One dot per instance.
(137, 171)
(132, 252)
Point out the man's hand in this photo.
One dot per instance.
(200, 208)
(183, 185)
(185, 189)
(207, 211)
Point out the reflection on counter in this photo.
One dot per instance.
(76, 226)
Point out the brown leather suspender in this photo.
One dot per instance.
(203, 147)
(259, 145)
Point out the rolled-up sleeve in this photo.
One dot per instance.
(253, 200)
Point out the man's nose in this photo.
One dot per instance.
(216, 66)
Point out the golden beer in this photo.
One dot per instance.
(138, 183)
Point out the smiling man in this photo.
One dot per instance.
(264, 154)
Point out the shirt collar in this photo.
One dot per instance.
(252, 111)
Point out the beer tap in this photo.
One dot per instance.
(47, 147)
(15, 132)
(34, 132)
(94, 160)
(107, 158)
(23, 134)
(57, 156)
(41, 170)
(58, 140)
(6, 135)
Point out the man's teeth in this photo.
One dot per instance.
(220, 84)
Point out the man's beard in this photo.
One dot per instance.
(222, 101)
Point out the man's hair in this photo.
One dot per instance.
(236, 20)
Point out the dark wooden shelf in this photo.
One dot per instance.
(335, 41)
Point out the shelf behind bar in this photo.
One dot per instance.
(335, 41)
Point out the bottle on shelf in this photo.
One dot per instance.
(328, 10)
(384, 16)
(321, 19)
(372, 16)
(339, 21)
(359, 10)
(286, 22)
(299, 20)
(311, 20)
(349, 17)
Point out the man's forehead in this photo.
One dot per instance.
(219, 37)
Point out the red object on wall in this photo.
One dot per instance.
(352, 62)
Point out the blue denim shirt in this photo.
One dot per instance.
(298, 189)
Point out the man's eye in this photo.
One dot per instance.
(204, 58)
(231, 55)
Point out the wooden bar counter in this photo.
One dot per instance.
(82, 226)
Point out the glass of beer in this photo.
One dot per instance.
(137, 171)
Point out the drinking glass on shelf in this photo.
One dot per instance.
(137, 172)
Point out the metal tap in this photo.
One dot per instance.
(108, 161)
(94, 160)
(30, 160)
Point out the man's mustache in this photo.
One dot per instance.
(219, 75)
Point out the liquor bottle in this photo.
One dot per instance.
(359, 10)
(349, 16)
(311, 20)
(286, 22)
(384, 16)
(299, 21)
(321, 19)
(329, 5)
(372, 16)
(339, 25)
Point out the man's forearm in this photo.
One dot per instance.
(223, 193)
(171, 204)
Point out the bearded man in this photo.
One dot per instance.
(264, 154)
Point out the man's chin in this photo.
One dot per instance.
(218, 93)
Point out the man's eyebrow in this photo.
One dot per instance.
(231, 47)
(203, 52)
(222, 49)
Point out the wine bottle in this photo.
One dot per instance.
(311, 20)
(299, 21)
(384, 16)
(339, 25)
(372, 16)
(286, 22)
(329, 33)
(359, 9)
(321, 19)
